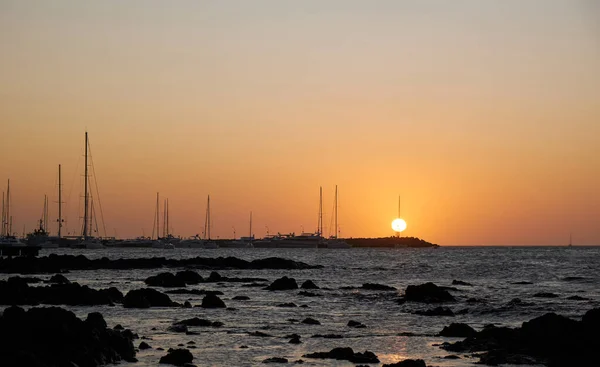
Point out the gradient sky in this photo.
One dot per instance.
(483, 115)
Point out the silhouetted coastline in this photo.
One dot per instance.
(392, 242)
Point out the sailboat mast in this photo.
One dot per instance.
(167, 226)
(8, 217)
(59, 202)
(164, 232)
(320, 230)
(250, 235)
(157, 217)
(85, 191)
(3, 216)
(336, 212)
(208, 216)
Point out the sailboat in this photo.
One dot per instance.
(334, 241)
(570, 242)
(40, 236)
(208, 243)
(6, 237)
(87, 240)
(243, 242)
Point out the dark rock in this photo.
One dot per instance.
(275, 360)
(283, 284)
(591, 320)
(428, 293)
(197, 292)
(259, 333)
(16, 291)
(177, 357)
(438, 311)
(189, 276)
(243, 347)
(572, 279)
(299, 361)
(308, 284)
(295, 339)
(144, 345)
(290, 304)
(377, 287)
(577, 298)
(345, 354)
(96, 320)
(328, 336)
(460, 282)
(212, 301)
(310, 321)
(545, 295)
(187, 304)
(56, 337)
(522, 283)
(57, 263)
(145, 298)
(241, 298)
(356, 324)
(408, 363)
(458, 330)
(451, 356)
(59, 279)
(165, 280)
(178, 328)
(199, 322)
(118, 327)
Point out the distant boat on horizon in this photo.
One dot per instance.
(570, 240)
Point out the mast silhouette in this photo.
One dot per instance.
(85, 192)
(207, 220)
(60, 221)
(157, 217)
(336, 212)
(320, 224)
(250, 235)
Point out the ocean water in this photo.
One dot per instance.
(492, 271)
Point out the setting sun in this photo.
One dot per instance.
(398, 225)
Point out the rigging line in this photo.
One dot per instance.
(96, 185)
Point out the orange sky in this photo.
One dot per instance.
(484, 116)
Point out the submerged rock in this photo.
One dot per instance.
(199, 322)
(275, 360)
(289, 304)
(59, 279)
(283, 284)
(308, 284)
(212, 301)
(377, 287)
(427, 293)
(356, 324)
(460, 282)
(346, 354)
(56, 337)
(146, 298)
(311, 321)
(165, 280)
(458, 330)
(144, 345)
(545, 295)
(408, 363)
(177, 357)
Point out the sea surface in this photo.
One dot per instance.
(492, 271)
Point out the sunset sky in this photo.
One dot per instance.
(483, 115)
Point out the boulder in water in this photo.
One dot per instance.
(283, 284)
(309, 284)
(146, 298)
(275, 360)
(212, 301)
(427, 293)
(346, 354)
(377, 287)
(438, 311)
(177, 357)
(311, 321)
(458, 330)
